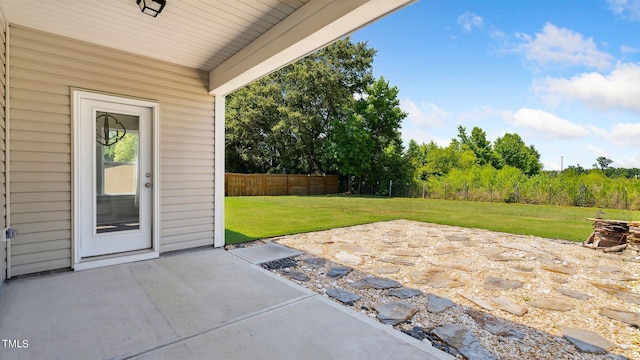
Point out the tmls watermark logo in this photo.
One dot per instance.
(15, 344)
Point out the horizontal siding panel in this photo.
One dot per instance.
(44, 68)
(166, 194)
(27, 84)
(22, 249)
(24, 219)
(18, 145)
(187, 177)
(180, 223)
(187, 120)
(41, 206)
(41, 126)
(79, 70)
(41, 96)
(168, 163)
(186, 230)
(40, 266)
(20, 115)
(43, 226)
(32, 156)
(34, 105)
(170, 216)
(40, 256)
(170, 146)
(37, 166)
(43, 237)
(168, 185)
(36, 187)
(187, 169)
(40, 137)
(186, 244)
(19, 176)
(187, 207)
(188, 123)
(21, 198)
(183, 154)
(187, 200)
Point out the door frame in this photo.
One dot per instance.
(79, 263)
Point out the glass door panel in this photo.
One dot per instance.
(117, 182)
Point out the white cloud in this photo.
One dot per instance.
(562, 46)
(425, 115)
(547, 125)
(620, 89)
(625, 50)
(595, 150)
(468, 21)
(625, 134)
(629, 9)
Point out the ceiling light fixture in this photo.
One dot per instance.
(151, 7)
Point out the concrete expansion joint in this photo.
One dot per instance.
(239, 319)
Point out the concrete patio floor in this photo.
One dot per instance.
(206, 304)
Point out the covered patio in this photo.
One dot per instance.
(182, 306)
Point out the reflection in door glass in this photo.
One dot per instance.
(117, 185)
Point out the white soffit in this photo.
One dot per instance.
(199, 34)
(311, 27)
(237, 41)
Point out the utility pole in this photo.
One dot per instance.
(561, 163)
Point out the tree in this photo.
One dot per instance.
(281, 122)
(349, 148)
(126, 150)
(514, 152)
(603, 163)
(382, 117)
(479, 144)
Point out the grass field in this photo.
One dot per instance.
(249, 218)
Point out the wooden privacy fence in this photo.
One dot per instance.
(275, 185)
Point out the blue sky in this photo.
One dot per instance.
(565, 75)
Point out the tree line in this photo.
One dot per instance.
(324, 114)
(327, 114)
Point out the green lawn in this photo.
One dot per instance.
(249, 218)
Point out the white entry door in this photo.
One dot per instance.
(115, 176)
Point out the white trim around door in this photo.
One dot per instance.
(114, 221)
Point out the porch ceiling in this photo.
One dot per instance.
(263, 35)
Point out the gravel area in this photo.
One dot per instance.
(548, 287)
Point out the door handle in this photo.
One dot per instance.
(147, 184)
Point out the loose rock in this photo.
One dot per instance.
(506, 305)
(494, 325)
(496, 283)
(395, 313)
(463, 340)
(551, 304)
(316, 262)
(405, 293)
(587, 341)
(579, 295)
(347, 258)
(374, 282)
(631, 318)
(344, 296)
(438, 304)
(298, 275)
(339, 271)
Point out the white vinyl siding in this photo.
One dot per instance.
(44, 68)
(3, 147)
